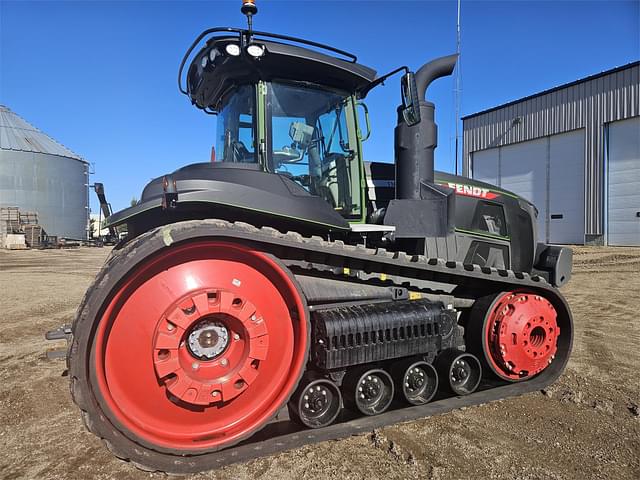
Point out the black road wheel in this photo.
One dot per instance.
(460, 372)
(416, 381)
(368, 391)
(316, 403)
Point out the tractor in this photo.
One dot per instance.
(288, 292)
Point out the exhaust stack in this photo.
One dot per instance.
(415, 145)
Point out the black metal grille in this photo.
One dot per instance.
(356, 334)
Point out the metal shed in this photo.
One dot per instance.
(40, 175)
(573, 150)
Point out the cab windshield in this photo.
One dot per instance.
(310, 142)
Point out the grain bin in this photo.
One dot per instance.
(40, 175)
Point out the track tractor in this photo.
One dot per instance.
(288, 292)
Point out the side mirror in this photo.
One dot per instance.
(410, 99)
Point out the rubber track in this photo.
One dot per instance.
(281, 434)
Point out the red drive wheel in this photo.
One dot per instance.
(199, 347)
(519, 335)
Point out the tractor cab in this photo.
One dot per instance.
(287, 109)
(287, 149)
(303, 132)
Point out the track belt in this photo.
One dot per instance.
(281, 434)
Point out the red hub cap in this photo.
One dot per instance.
(208, 347)
(201, 346)
(521, 335)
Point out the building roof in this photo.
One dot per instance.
(19, 135)
(559, 87)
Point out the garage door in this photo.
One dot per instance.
(566, 188)
(549, 172)
(623, 209)
(523, 170)
(485, 165)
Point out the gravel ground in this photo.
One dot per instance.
(586, 425)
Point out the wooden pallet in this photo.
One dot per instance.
(33, 235)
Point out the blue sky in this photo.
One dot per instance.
(100, 76)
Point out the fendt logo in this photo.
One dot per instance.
(471, 191)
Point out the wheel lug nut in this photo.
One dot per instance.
(169, 327)
(215, 393)
(195, 365)
(236, 336)
(224, 362)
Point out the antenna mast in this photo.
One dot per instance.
(457, 88)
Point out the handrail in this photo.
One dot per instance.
(245, 33)
(311, 43)
(194, 44)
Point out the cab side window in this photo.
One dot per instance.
(489, 218)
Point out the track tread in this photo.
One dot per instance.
(117, 256)
(315, 248)
(76, 392)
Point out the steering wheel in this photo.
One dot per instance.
(304, 180)
(287, 155)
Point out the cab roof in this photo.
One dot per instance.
(213, 71)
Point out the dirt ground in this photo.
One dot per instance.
(584, 426)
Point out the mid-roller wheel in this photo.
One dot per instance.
(368, 391)
(459, 372)
(316, 402)
(416, 381)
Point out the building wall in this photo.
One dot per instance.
(53, 186)
(590, 104)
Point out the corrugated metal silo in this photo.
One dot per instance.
(38, 174)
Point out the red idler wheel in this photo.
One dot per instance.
(200, 346)
(520, 335)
